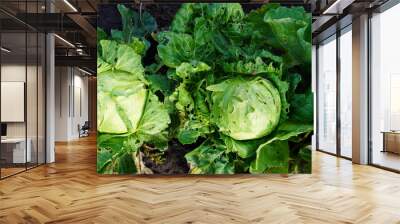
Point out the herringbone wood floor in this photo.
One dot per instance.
(70, 191)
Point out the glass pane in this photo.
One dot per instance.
(327, 96)
(32, 97)
(346, 93)
(385, 84)
(13, 91)
(16, 8)
(41, 99)
(32, 87)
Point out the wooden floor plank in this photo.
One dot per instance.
(70, 191)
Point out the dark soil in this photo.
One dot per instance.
(174, 163)
(109, 17)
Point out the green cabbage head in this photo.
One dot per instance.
(121, 101)
(121, 89)
(245, 108)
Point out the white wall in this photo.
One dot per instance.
(12, 73)
(62, 81)
(80, 110)
(71, 102)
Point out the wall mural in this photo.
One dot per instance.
(197, 88)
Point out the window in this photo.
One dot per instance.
(385, 89)
(327, 95)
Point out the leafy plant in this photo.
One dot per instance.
(129, 114)
(233, 88)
